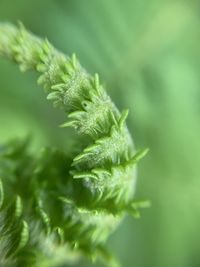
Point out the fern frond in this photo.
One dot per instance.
(78, 201)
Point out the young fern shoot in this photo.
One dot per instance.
(96, 188)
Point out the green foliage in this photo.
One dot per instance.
(56, 206)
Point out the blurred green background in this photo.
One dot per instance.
(147, 53)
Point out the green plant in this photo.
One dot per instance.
(55, 206)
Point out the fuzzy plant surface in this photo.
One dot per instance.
(56, 207)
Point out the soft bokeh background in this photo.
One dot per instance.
(148, 55)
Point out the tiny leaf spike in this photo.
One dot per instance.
(54, 207)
